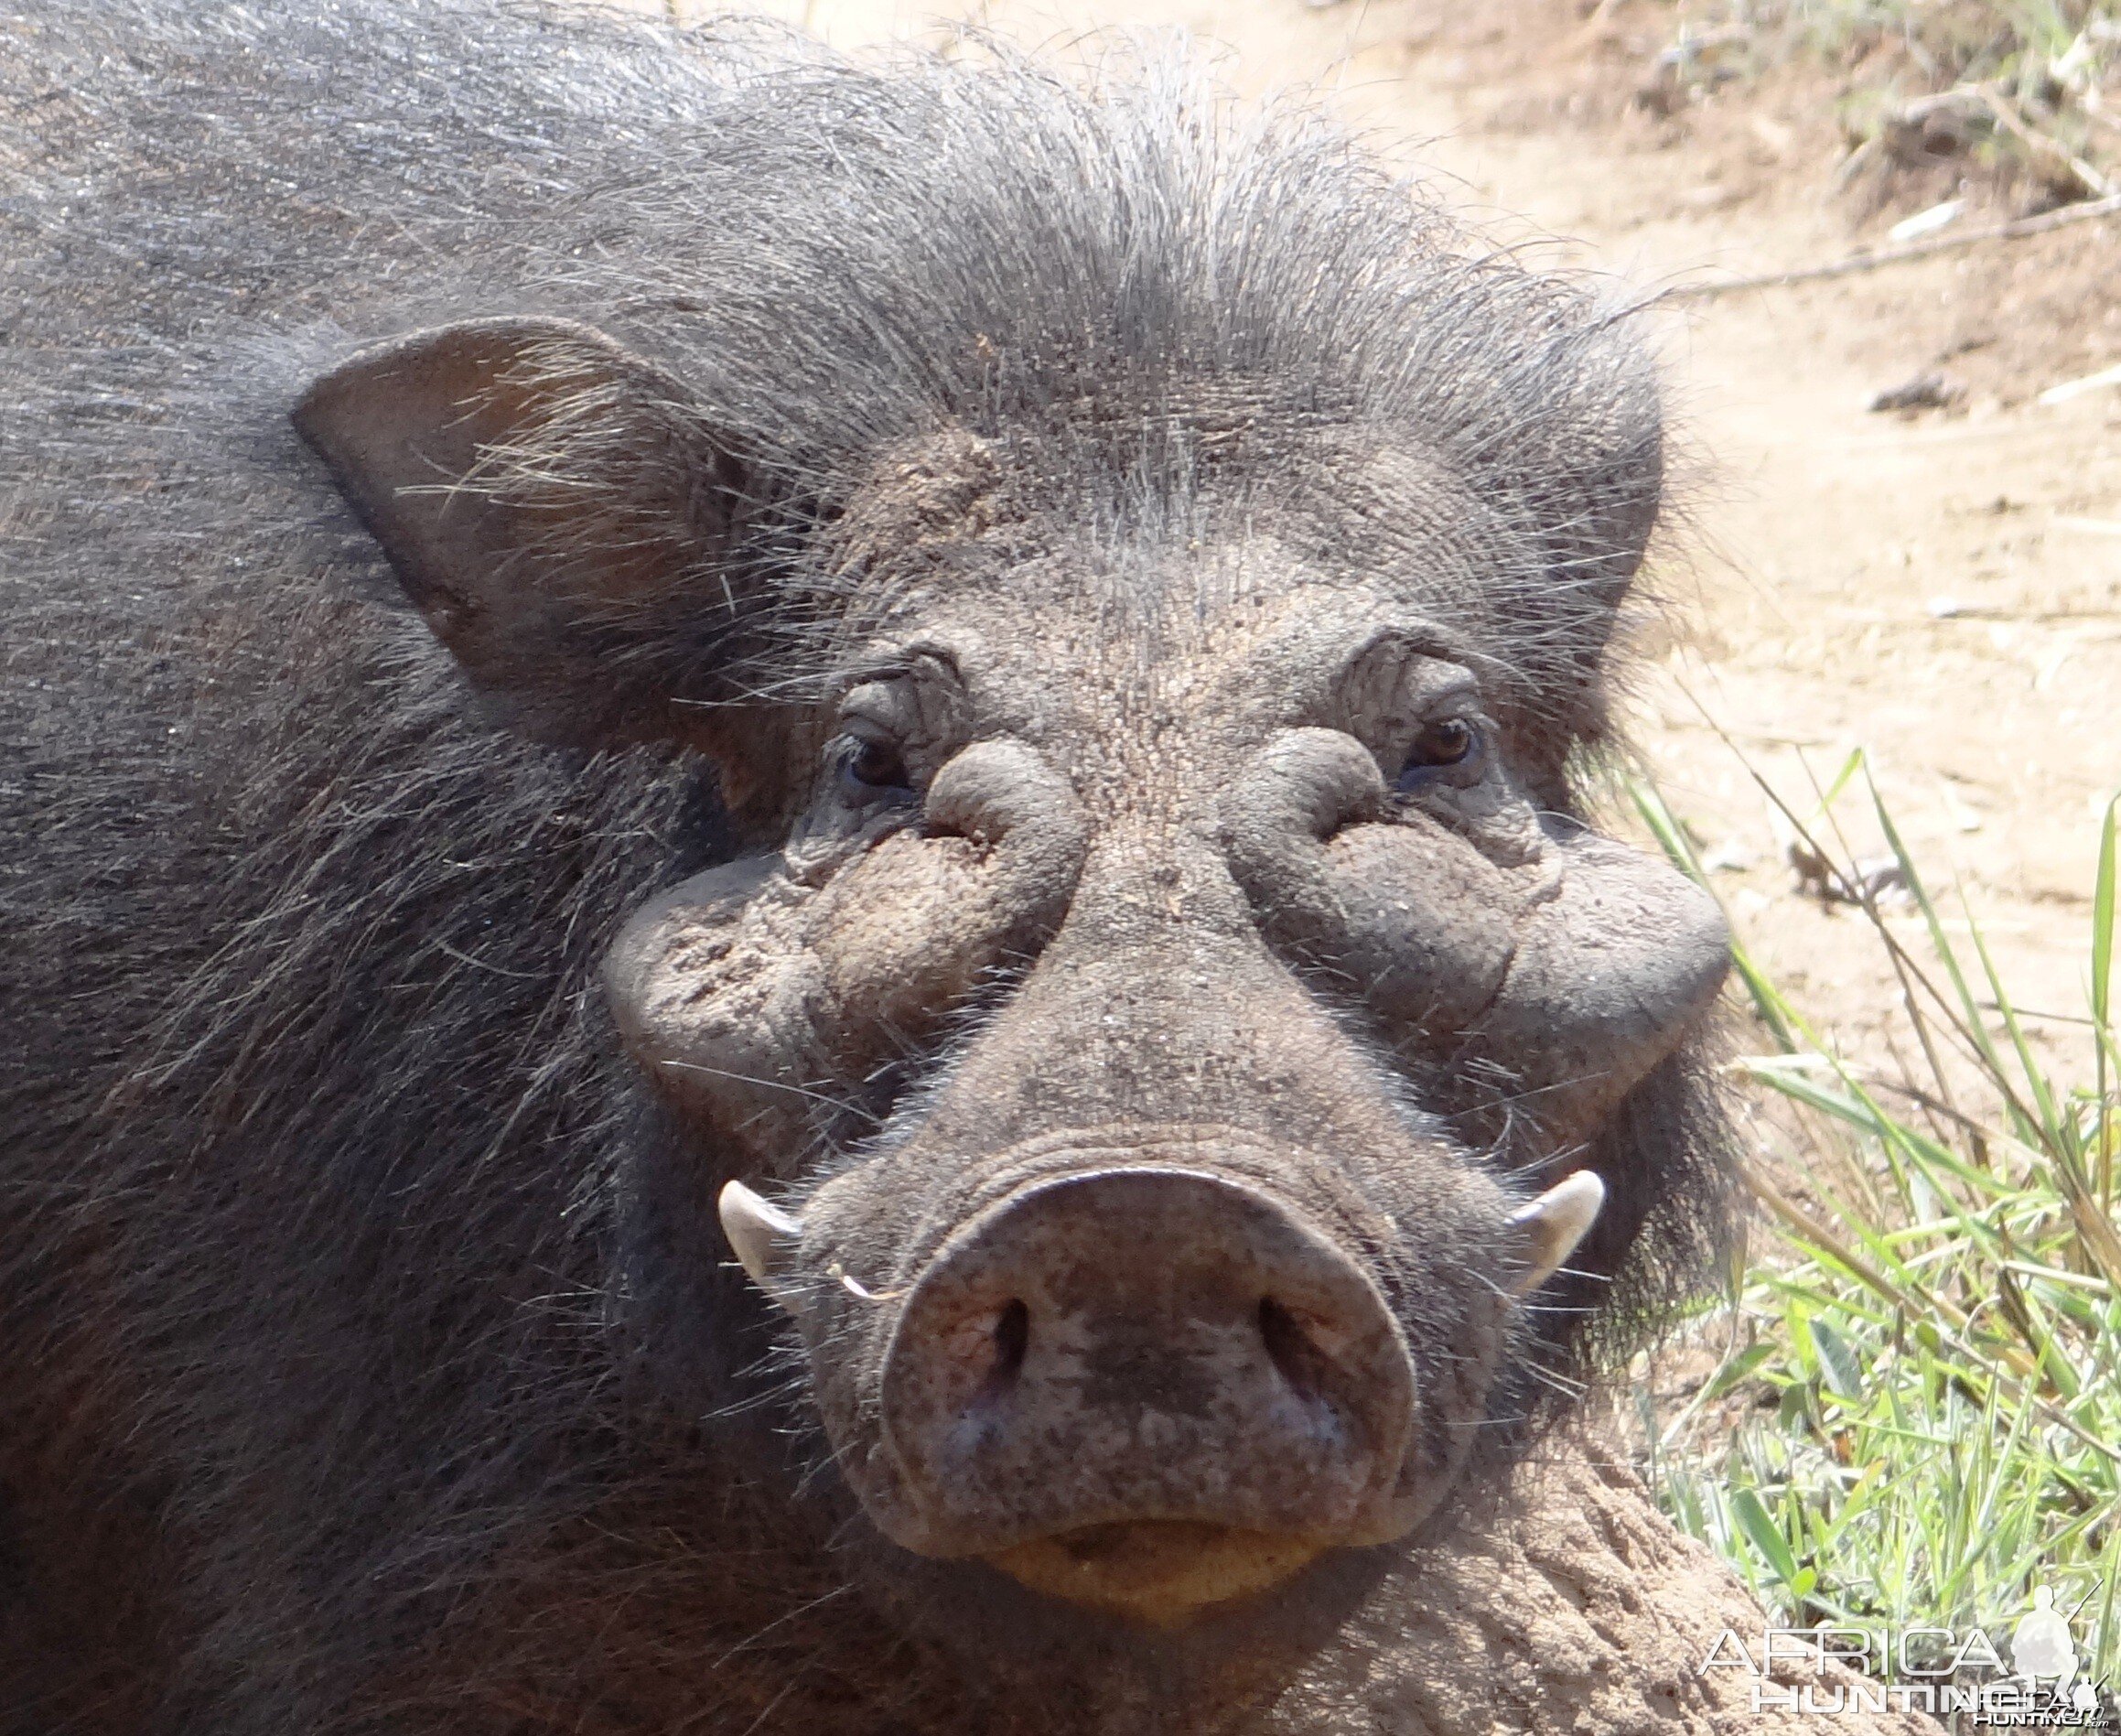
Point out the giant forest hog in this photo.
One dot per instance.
(799, 929)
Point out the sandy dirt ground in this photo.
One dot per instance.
(1942, 591)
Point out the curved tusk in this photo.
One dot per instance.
(1553, 1224)
(763, 1236)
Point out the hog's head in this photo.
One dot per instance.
(1175, 1027)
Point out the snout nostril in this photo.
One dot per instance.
(1012, 1338)
(990, 1352)
(984, 1350)
(1291, 1349)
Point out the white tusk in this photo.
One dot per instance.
(763, 1236)
(855, 1288)
(1554, 1223)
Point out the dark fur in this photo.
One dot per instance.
(329, 1301)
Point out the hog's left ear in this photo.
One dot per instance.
(556, 512)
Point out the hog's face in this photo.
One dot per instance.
(1167, 1024)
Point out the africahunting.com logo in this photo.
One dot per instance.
(1952, 1673)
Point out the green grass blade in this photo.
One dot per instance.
(1765, 1535)
(1968, 1022)
(1772, 1011)
(2103, 1049)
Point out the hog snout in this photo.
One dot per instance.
(1143, 1347)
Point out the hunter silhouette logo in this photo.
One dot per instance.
(2040, 1644)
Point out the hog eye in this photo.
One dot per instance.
(1448, 750)
(874, 769)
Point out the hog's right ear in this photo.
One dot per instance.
(556, 512)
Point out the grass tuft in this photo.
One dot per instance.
(2029, 88)
(1925, 1363)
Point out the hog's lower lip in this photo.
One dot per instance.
(1159, 1571)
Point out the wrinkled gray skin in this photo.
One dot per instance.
(1139, 587)
(1152, 784)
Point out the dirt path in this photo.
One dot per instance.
(1943, 592)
